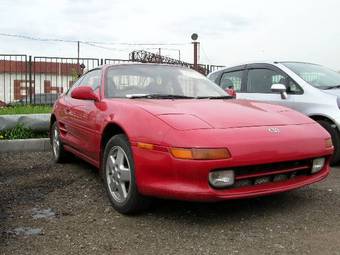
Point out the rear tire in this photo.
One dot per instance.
(58, 151)
(335, 140)
(118, 172)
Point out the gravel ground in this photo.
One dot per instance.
(63, 209)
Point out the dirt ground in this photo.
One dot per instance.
(63, 209)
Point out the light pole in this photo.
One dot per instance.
(194, 37)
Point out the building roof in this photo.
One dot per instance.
(11, 66)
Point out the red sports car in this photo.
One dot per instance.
(167, 131)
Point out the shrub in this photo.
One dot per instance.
(25, 109)
(21, 132)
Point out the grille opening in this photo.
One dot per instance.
(274, 167)
(270, 178)
(271, 173)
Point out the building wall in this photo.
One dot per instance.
(41, 83)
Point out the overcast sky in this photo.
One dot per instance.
(229, 31)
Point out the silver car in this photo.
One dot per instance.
(309, 88)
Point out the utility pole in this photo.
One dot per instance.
(194, 37)
(78, 54)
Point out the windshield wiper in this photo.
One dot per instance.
(158, 96)
(215, 97)
(171, 96)
(332, 87)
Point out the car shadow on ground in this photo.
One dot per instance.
(261, 206)
(265, 206)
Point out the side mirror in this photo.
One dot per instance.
(280, 88)
(84, 93)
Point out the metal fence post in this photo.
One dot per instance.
(30, 77)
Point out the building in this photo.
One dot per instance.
(46, 78)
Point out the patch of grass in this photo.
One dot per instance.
(20, 132)
(25, 109)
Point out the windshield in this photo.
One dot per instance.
(139, 80)
(316, 75)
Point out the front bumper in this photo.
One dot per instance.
(158, 174)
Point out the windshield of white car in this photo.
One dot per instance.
(154, 81)
(318, 76)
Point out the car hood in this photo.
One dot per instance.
(204, 113)
(335, 92)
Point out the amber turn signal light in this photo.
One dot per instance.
(328, 143)
(203, 154)
(147, 146)
(181, 153)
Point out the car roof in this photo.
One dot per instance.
(137, 63)
(105, 66)
(271, 62)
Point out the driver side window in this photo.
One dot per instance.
(231, 80)
(76, 84)
(261, 80)
(91, 79)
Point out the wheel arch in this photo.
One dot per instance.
(52, 120)
(110, 130)
(317, 117)
(335, 134)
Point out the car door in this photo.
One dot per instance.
(258, 82)
(82, 125)
(63, 114)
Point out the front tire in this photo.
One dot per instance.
(335, 140)
(59, 154)
(118, 172)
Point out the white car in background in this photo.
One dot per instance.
(309, 88)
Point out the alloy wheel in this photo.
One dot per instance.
(118, 174)
(56, 142)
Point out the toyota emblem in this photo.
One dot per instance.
(274, 130)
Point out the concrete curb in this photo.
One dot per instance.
(38, 122)
(25, 145)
